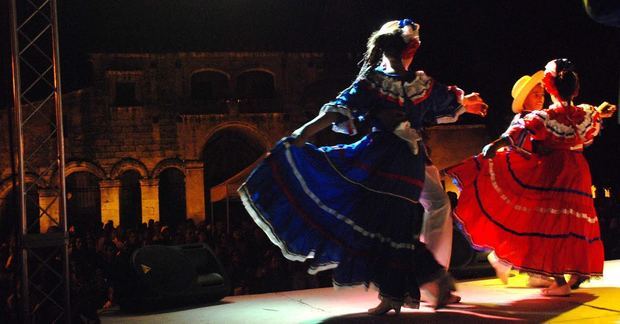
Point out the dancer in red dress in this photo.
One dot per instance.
(528, 95)
(536, 210)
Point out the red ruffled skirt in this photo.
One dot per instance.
(536, 212)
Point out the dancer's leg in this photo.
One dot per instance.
(436, 285)
(502, 270)
(437, 225)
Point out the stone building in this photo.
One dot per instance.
(155, 132)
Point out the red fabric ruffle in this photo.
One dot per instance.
(536, 213)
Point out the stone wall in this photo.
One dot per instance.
(162, 127)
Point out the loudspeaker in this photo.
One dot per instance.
(465, 261)
(172, 276)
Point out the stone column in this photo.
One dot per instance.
(195, 190)
(150, 199)
(48, 201)
(110, 201)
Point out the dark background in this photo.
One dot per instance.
(480, 45)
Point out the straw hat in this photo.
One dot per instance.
(522, 88)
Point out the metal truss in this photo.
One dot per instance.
(39, 161)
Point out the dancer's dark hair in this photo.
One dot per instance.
(566, 80)
(388, 40)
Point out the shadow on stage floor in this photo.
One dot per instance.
(484, 300)
(531, 310)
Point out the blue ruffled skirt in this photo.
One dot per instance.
(352, 208)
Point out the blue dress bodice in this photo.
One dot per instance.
(423, 100)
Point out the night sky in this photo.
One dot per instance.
(480, 45)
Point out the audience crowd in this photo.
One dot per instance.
(99, 259)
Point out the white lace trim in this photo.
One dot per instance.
(390, 87)
(339, 216)
(259, 220)
(567, 131)
(327, 266)
(344, 127)
(553, 211)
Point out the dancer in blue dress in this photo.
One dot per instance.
(355, 208)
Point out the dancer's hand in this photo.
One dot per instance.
(606, 109)
(299, 139)
(489, 150)
(474, 104)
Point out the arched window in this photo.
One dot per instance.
(130, 200)
(255, 85)
(83, 201)
(171, 197)
(126, 93)
(9, 212)
(210, 90)
(209, 86)
(222, 162)
(228, 152)
(256, 92)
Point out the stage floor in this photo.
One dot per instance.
(484, 301)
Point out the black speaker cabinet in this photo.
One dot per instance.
(173, 276)
(466, 262)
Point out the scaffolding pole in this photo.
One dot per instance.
(38, 146)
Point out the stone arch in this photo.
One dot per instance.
(246, 128)
(8, 212)
(257, 69)
(127, 164)
(221, 162)
(209, 84)
(256, 83)
(5, 187)
(7, 184)
(211, 70)
(80, 166)
(166, 164)
(255, 91)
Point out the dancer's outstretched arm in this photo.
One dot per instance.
(474, 104)
(321, 121)
(606, 110)
(489, 150)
